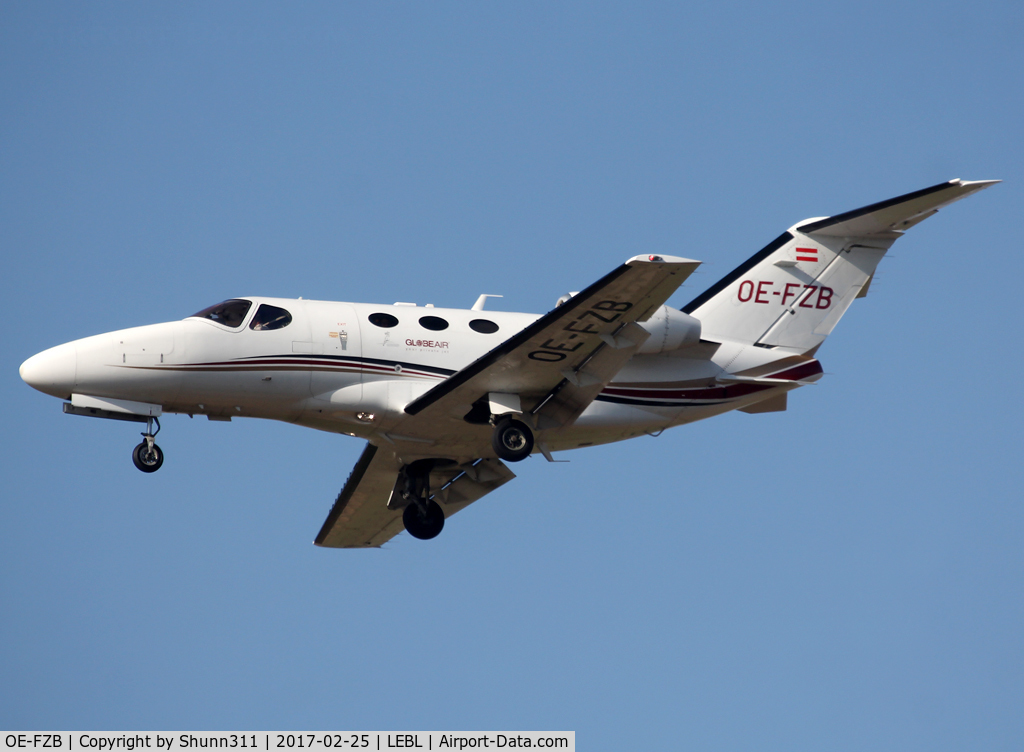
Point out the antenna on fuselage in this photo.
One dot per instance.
(479, 304)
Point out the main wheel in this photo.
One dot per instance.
(423, 525)
(512, 440)
(146, 459)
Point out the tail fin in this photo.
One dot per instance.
(793, 291)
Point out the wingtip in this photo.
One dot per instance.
(659, 258)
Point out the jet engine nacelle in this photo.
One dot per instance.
(670, 330)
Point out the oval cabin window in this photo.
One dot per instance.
(383, 320)
(483, 326)
(433, 323)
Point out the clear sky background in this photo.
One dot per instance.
(844, 575)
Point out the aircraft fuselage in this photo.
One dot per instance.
(332, 368)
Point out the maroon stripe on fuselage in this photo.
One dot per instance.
(304, 365)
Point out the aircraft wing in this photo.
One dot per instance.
(560, 363)
(362, 515)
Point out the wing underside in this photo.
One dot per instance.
(364, 515)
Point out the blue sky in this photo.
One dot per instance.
(843, 575)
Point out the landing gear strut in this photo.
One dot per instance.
(512, 440)
(147, 456)
(423, 517)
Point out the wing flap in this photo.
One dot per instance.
(473, 483)
(578, 388)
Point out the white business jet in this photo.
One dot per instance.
(445, 397)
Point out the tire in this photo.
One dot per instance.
(147, 461)
(512, 440)
(423, 526)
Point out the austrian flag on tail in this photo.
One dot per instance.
(807, 254)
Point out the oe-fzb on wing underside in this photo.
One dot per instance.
(445, 397)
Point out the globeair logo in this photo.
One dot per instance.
(426, 343)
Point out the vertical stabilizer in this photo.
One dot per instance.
(793, 291)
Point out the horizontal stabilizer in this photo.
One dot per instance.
(775, 404)
(732, 378)
(896, 214)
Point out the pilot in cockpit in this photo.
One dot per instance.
(270, 317)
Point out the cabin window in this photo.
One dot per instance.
(383, 320)
(483, 326)
(433, 323)
(270, 317)
(230, 313)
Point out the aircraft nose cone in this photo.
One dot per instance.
(52, 371)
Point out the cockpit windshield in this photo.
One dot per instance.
(230, 313)
(270, 317)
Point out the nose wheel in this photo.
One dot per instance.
(147, 456)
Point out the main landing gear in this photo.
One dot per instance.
(147, 456)
(512, 440)
(423, 517)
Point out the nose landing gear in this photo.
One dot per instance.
(147, 456)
